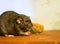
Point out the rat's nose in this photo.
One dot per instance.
(27, 33)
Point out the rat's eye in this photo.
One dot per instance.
(27, 21)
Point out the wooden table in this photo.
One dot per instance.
(46, 37)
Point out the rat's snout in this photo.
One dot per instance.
(26, 30)
(27, 33)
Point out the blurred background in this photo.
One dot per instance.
(45, 12)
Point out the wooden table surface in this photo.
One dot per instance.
(46, 37)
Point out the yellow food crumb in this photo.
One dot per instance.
(37, 27)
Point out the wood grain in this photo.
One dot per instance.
(46, 37)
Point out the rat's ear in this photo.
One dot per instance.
(19, 20)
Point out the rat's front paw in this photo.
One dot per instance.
(9, 35)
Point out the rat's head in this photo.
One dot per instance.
(25, 23)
